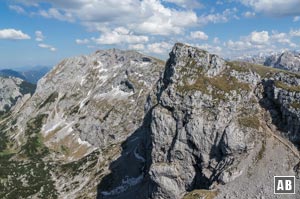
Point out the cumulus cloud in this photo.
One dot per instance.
(82, 41)
(209, 48)
(39, 36)
(120, 35)
(295, 33)
(216, 40)
(238, 45)
(274, 7)
(296, 18)
(136, 46)
(56, 14)
(46, 46)
(17, 9)
(159, 47)
(199, 35)
(223, 17)
(145, 17)
(259, 37)
(249, 14)
(186, 3)
(163, 20)
(260, 41)
(13, 34)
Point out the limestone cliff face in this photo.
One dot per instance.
(11, 90)
(119, 124)
(212, 129)
(72, 127)
(199, 126)
(210, 117)
(287, 61)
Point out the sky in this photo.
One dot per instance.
(43, 32)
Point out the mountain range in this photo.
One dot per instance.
(31, 75)
(286, 60)
(120, 124)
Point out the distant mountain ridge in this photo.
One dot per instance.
(32, 75)
(11, 73)
(11, 90)
(287, 60)
(119, 124)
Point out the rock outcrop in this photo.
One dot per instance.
(209, 126)
(119, 124)
(287, 60)
(73, 125)
(11, 90)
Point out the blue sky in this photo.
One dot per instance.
(42, 32)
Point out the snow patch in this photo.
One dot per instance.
(82, 103)
(81, 142)
(82, 80)
(53, 124)
(116, 92)
(118, 66)
(138, 156)
(98, 65)
(49, 128)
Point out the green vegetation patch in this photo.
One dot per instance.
(287, 87)
(50, 99)
(34, 147)
(295, 105)
(24, 179)
(220, 84)
(21, 177)
(27, 87)
(201, 193)
(263, 71)
(249, 121)
(79, 166)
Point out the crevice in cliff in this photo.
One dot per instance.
(281, 117)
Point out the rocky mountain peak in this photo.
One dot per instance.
(187, 58)
(119, 124)
(286, 60)
(13, 89)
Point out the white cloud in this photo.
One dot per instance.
(13, 34)
(159, 47)
(209, 48)
(259, 37)
(216, 40)
(82, 41)
(296, 18)
(223, 17)
(142, 17)
(136, 46)
(199, 35)
(275, 7)
(295, 33)
(17, 9)
(120, 35)
(238, 45)
(162, 20)
(46, 46)
(280, 38)
(39, 36)
(56, 14)
(219, 2)
(249, 14)
(192, 4)
(260, 42)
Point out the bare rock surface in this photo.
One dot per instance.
(119, 124)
